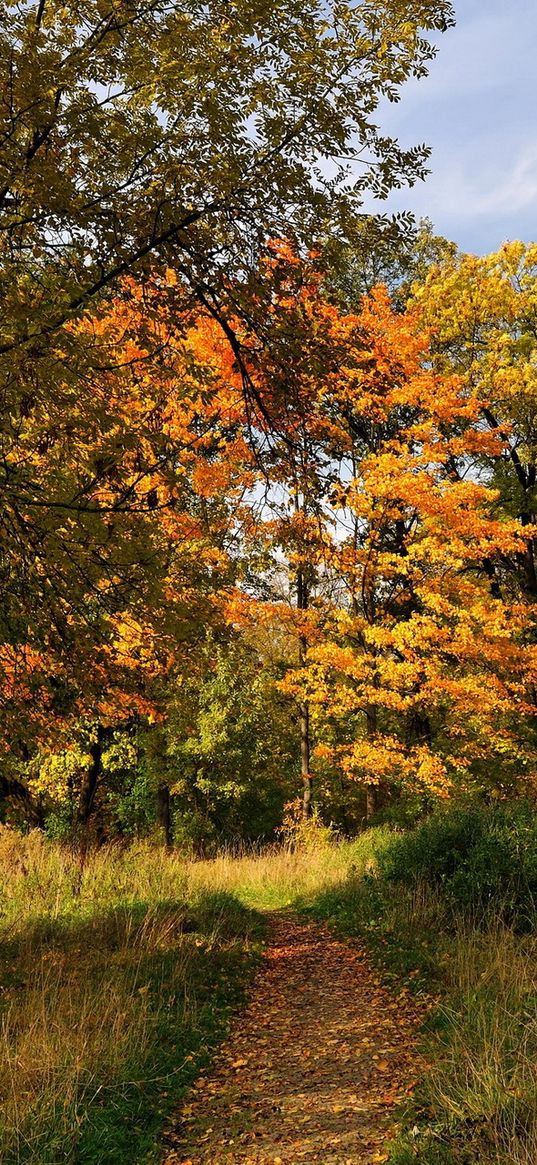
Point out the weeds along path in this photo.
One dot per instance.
(315, 1065)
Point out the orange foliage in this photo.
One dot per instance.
(351, 462)
(420, 660)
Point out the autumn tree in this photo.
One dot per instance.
(135, 138)
(429, 667)
(482, 313)
(420, 670)
(156, 466)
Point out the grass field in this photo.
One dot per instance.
(118, 976)
(120, 968)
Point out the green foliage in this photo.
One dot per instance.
(230, 748)
(481, 858)
(403, 812)
(130, 801)
(397, 254)
(227, 752)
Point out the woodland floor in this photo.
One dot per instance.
(314, 1068)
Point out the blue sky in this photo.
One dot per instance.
(478, 110)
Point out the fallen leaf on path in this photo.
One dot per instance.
(295, 1082)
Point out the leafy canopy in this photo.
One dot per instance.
(133, 130)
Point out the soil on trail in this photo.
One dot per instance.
(314, 1067)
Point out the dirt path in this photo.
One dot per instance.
(314, 1066)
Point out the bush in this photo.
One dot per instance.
(305, 833)
(484, 859)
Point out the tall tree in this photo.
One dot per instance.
(137, 136)
(424, 671)
(134, 129)
(405, 625)
(482, 313)
(152, 456)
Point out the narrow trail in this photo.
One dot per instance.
(314, 1066)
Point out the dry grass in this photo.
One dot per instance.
(107, 961)
(479, 1098)
(484, 1070)
(39, 878)
(67, 1033)
(277, 876)
(105, 955)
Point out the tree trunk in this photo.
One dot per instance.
(419, 728)
(370, 802)
(371, 790)
(305, 751)
(304, 712)
(90, 780)
(164, 814)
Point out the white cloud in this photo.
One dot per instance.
(478, 111)
(469, 188)
(510, 192)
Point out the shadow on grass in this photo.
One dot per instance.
(108, 1019)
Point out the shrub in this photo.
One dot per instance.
(308, 833)
(484, 859)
